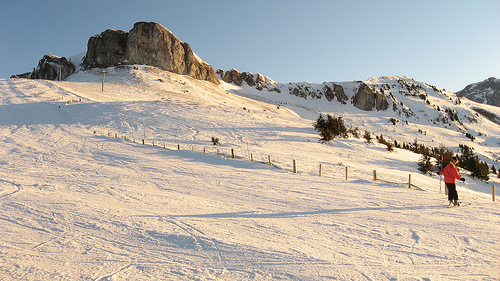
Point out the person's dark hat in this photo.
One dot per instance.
(454, 158)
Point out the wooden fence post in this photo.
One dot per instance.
(164, 144)
(178, 147)
(270, 163)
(143, 142)
(116, 135)
(320, 170)
(374, 175)
(134, 140)
(251, 157)
(409, 181)
(346, 173)
(493, 193)
(232, 153)
(204, 150)
(294, 167)
(153, 143)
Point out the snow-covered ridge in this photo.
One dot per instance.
(409, 101)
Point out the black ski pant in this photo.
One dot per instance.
(452, 191)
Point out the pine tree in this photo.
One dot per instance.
(331, 127)
(424, 164)
(470, 162)
(321, 126)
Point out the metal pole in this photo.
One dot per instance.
(103, 72)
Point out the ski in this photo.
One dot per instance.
(461, 205)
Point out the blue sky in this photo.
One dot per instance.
(448, 44)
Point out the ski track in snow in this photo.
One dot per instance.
(79, 206)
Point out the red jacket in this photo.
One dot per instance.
(450, 173)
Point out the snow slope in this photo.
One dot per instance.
(419, 109)
(75, 205)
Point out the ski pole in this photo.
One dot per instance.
(470, 197)
(440, 178)
(440, 181)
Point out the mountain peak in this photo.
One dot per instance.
(487, 91)
(147, 43)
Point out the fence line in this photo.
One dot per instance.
(232, 154)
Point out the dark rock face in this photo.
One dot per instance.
(487, 91)
(152, 44)
(330, 91)
(258, 80)
(367, 98)
(106, 49)
(336, 92)
(232, 76)
(49, 66)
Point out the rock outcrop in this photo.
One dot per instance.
(337, 92)
(147, 43)
(152, 44)
(50, 66)
(329, 90)
(367, 99)
(232, 76)
(258, 80)
(106, 49)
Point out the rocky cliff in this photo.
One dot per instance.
(52, 67)
(106, 49)
(368, 98)
(258, 80)
(487, 91)
(147, 43)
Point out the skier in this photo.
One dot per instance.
(451, 174)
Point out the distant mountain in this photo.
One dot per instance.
(375, 94)
(398, 100)
(487, 91)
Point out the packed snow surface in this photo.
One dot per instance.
(82, 198)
